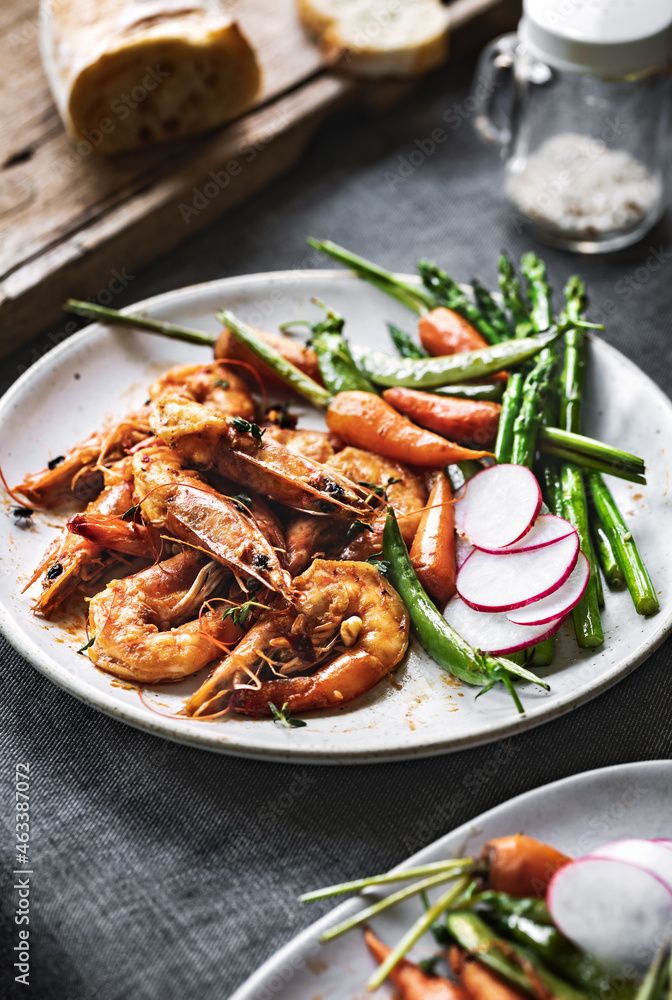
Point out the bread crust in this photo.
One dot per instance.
(393, 38)
(130, 73)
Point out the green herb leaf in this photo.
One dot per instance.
(239, 614)
(356, 528)
(282, 715)
(87, 645)
(374, 488)
(129, 514)
(221, 383)
(247, 428)
(382, 565)
(242, 502)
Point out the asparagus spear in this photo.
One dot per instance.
(405, 344)
(586, 614)
(413, 297)
(513, 298)
(530, 412)
(491, 310)
(538, 290)
(507, 418)
(636, 575)
(606, 553)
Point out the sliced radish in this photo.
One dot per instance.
(494, 633)
(546, 529)
(503, 582)
(463, 550)
(664, 842)
(560, 602)
(498, 506)
(611, 908)
(655, 858)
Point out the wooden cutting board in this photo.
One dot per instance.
(71, 220)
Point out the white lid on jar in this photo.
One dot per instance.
(608, 38)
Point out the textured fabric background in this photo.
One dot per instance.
(165, 872)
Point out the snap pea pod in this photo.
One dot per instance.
(435, 634)
(337, 365)
(528, 922)
(509, 960)
(491, 310)
(507, 418)
(606, 553)
(405, 344)
(424, 373)
(297, 380)
(446, 292)
(636, 574)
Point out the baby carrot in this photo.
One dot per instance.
(411, 982)
(480, 982)
(433, 549)
(367, 421)
(303, 358)
(444, 331)
(521, 866)
(468, 421)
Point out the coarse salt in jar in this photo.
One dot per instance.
(586, 131)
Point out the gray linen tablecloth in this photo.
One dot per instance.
(166, 872)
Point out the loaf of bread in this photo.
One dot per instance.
(397, 38)
(128, 73)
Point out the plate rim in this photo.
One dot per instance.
(141, 719)
(247, 989)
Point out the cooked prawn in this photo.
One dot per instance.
(147, 628)
(346, 617)
(72, 561)
(310, 444)
(403, 488)
(209, 440)
(215, 385)
(79, 474)
(179, 502)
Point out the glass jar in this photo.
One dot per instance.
(586, 131)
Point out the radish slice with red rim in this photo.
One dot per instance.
(498, 506)
(613, 909)
(547, 528)
(560, 602)
(490, 582)
(644, 853)
(494, 633)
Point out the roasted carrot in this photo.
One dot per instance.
(443, 331)
(228, 346)
(367, 421)
(433, 549)
(521, 866)
(411, 982)
(467, 421)
(479, 981)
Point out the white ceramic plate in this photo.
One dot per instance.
(103, 372)
(575, 815)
